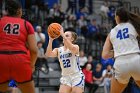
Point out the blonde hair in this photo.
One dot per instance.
(74, 36)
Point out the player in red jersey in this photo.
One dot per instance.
(16, 39)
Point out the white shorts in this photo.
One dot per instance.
(127, 66)
(76, 79)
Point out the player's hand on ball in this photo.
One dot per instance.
(51, 38)
(62, 31)
(54, 30)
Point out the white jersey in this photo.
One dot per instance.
(69, 62)
(124, 39)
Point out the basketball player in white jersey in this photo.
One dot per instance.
(122, 44)
(72, 80)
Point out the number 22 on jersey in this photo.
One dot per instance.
(122, 34)
(66, 63)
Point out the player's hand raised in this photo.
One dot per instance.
(62, 31)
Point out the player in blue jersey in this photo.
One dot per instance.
(122, 44)
(72, 80)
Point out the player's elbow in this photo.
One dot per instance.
(74, 50)
(47, 54)
(105, 55)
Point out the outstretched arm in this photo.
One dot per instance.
(49, 51)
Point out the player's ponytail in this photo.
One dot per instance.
(74, 35)
(135, 20)
(12, 6)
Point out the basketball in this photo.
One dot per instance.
(54, 30)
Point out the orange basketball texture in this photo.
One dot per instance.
(54, 30)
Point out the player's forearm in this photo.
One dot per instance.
(107, 49)
(68, 43)
(111, 54)
(108, 54)
(49, 49)
(33, 58)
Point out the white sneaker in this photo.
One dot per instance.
(43, 69)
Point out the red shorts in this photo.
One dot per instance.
(16, 67)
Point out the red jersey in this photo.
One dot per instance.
(13, 33)
(13, 37)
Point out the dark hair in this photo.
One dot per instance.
(126, 16)
(12, 6)
(85, 65)
(135, 20)
(39, 42)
